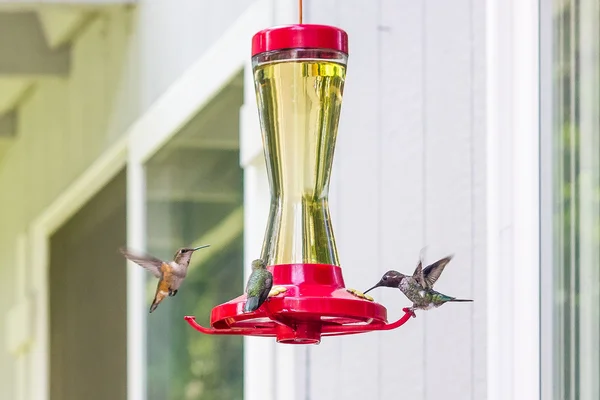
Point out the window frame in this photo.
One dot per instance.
(179, 103)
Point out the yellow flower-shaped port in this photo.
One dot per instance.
(360, 294)
(277, 290)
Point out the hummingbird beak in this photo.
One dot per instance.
(376, 286)
(200, 247)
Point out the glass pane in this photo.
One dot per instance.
(194, 194)
(577, 198)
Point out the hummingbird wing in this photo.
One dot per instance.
(264, 293)
(146, 261)
(419, 276)
(433, 271)
(258, 287)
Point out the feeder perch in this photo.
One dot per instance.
(299, 74)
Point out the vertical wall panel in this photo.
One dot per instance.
(324, 361)
(401, 198)
(478, 172)
(409, 172)
(358, 171)
(448, 200)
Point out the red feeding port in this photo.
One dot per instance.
(299, 76)
(315, 304)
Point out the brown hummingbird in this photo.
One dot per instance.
(170, 274)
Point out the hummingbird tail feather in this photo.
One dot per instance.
(252, 304)
(155, 303)
(460, 300)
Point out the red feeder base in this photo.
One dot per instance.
(314, 304)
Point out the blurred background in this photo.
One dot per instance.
(470, 127)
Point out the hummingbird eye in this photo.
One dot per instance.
(183, 251)
(384, 278)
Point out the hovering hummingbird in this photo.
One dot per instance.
(258, 286)
(419, 287)
(170, 274)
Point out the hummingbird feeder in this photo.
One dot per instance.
(299, 74)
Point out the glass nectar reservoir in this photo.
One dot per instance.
(299, 94)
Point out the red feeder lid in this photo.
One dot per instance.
(300, 36)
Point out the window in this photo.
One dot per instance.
(194, 194)
(576, 198)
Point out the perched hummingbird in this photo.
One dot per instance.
(258, 286)
(170, 274)
(419, 287)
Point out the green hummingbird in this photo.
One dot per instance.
(258, 286)
(419, 287)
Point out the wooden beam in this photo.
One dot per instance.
(25, 51)
(35, 5)
(218, 237)
(62, 24)
(206, 144)
(90, 2)
(12, 91)
(168, 195)
(8, 125)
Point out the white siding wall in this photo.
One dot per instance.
(121, 63)
(409, 171)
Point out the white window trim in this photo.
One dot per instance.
(547, 306)
(180, 102)
(283, 375)
(19, 326)
(513, 212)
